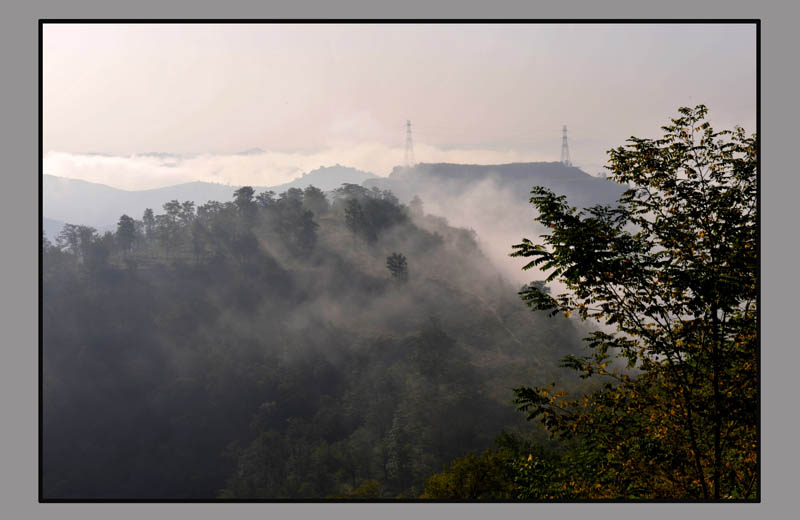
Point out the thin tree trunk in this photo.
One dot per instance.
(717, 405)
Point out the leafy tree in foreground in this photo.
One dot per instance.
(473, 477)
(673, 269)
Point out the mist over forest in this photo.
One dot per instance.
(266, 347)
(374, 340)
(98, 205)
(243, 297)
(492, 200)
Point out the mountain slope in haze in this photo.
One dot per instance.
(454, 180)
(327, 178)
(87, 203)
(100, 206)
(493, 200)
(52, 228)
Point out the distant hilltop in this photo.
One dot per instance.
(327, 178)
(437, 179)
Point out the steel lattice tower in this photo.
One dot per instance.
(565, 148)
(409, 146)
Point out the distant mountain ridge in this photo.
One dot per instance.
(86, 203)
(327, 178)
(81, 202)
(433, 180)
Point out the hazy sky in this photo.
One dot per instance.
(314, 95)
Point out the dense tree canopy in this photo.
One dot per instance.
(275, 346)
(671, 274)
(256, 348)
(397, 264)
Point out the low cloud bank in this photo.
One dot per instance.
(259, 168)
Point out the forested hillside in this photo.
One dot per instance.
(279, 346)
(91, 204)
(671, 272)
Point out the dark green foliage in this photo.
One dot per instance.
(266, 355)
(126, 232)
(78, 240)
(315, 201)
(672, 267)
(293, 223)
(243, 199)
(173, 210)
(474, 477)
(354, 217)
(265, 199)
(149, 223)
(395, 422)
(398, 266)
(516, 468)
(368, 213)
(351, 191)
(186, 213)
(98, 252)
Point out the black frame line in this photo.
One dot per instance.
(468, 21)
(758, 236)
(400, 21)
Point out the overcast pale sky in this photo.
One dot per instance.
(314, 95)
